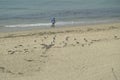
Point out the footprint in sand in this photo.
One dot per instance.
(67, 38)
(20, 73)
(83, 45)
(75, 39)
(29, 60)
(77, 42)
(85, 40)
(2, 69)
(116, 37)
(20, 45)
(11, 52)
(26, 50)
(35, 40)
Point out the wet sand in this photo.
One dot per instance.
(89, 52)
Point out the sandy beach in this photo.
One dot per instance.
(90, 52)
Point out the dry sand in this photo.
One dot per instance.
(75, 53)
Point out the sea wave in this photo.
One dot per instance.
(43, 24)
(29, 25)
(67, 23)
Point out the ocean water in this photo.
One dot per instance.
(37, 13)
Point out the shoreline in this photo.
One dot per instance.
(28, 27)
(59, 29)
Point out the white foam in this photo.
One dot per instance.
(39, 24)
(29, 25)
(46, 24)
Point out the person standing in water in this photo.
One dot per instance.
(53, 21)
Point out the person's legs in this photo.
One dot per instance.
(53, 25)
